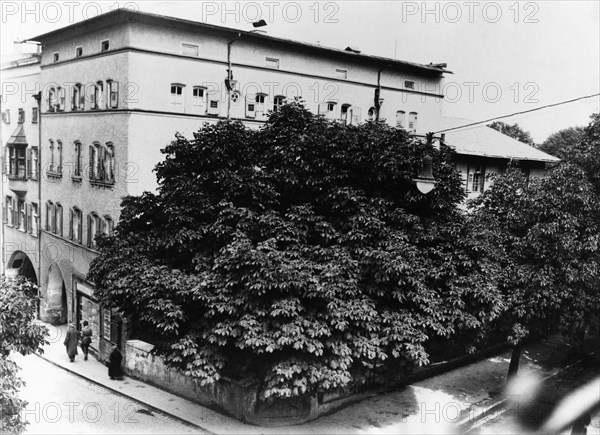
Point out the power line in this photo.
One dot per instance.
(517, 113)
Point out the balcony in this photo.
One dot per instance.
(17, 183)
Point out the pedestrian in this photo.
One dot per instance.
(114, 364)
(86, 339)
(71, 341)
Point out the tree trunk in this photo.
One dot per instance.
(513, 368)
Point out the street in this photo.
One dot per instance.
(63, 403)
(520, 416)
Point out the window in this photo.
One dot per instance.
(400, 119)
(355, 115)
(50, 222)
(21, 219)
(189, 49)
(58, 220)
(78, 51)
(177, 97)
(213, 107)
(98, 96)
(75, 224)
(9, 215)
(6, 116)
(60, 94)
(59, 150)
(113, 94)
(93, 229)
(17, 162)
(34, 115)
(409, 84)
(51, 168)
(476, 178)
(77, 169)
(94, 161)
(33, 219)
(199, 99)
(52, 100)
(108, 165)
(105, 45)
(108, 227)
(272, 62)
(78, 97)
(278, 102)
(412, 122)
(341, 73)
(32, 163)
(55, 56)
(259, 108)
(102, 162)
(345, 113)
(21, 118)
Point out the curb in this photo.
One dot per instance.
(121, 394)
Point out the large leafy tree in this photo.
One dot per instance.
(562, 143)
(18, 333)
(513, 130)
(300, 256)
(548, 230)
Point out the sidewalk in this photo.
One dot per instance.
(440, 404)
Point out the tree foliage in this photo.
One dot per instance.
(299, 257)
(562, 143)
(515, 131)
(548, 229)
(19, 334)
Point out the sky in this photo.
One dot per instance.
(506, 56)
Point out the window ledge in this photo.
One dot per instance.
(76, 178)
(102, 183)
(52, 174)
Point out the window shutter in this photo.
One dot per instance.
(91, 169)
(114, 95)
(70, 224)
(100, 173)
(28, 163)
(15, 212)
(74, 99)
(82, 97)
(89, 232)
(27, 223)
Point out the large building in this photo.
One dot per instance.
(114, 91)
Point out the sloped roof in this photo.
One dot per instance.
(18, 138)
(124, 15)
(480, 140)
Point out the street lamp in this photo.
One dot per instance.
(229, 82)
(425, 181)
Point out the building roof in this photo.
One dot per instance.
(125, 15)
(18, 138)
(21, 60)
(480, 140)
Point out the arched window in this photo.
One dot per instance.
(177, 97)
(75, 224)
(108, 226)
(93, 229)
(51, 168)
(401, 119)
(412, 122)
(59, 150)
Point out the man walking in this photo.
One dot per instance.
(86, 339)
(71, 341)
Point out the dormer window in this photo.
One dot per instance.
(272, 62)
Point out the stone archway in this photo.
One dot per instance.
(53, 307)
(20, 265)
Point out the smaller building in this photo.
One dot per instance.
(482, 152)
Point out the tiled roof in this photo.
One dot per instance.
(18, 137)
(480, 140)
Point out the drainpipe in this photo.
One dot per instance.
(38, 99)
(378, 92)
(229, 73)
